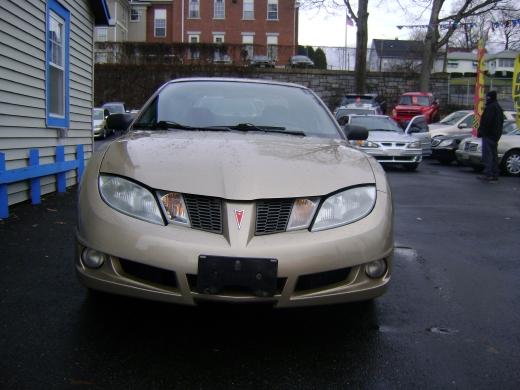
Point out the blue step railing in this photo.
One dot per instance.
(35, 171)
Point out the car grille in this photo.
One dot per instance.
(148, 274)
(395, 158)
(470, 147)
(272, 216)
(205, 212)
(393, 144)
(321, 279)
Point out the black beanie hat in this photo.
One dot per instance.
(491, 95)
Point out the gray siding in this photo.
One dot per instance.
(22, 88)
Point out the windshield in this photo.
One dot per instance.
(348, 99)
(114, 108)
(227, 104)
(408, 100)
(376, 123)
(453, 118)
(97, 114)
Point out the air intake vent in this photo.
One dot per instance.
(272, 215)
(205, 213)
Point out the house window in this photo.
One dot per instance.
(248, 48)
(57, 65)
(194, 39)
(194, 9)
(101, 34)
(506, 62)
(219, 9)
(272, 47)
(249, 10)
(159, 23)
(219, 54)
(272, 9)
(135, 15)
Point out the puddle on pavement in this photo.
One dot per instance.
(406, 253)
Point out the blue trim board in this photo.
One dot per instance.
(62, 12)
(35, 171)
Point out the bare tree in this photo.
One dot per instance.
(361, 20)
(434, 40)
(508, 32)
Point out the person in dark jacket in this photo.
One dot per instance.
(490, 130)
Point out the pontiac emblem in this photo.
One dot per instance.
(239, 215)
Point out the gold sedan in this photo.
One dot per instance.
(237, 191)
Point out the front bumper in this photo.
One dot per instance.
(470, 159)
(339, 254)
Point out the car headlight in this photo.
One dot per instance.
(175, 208)
(436, 141)
(130, 198)
(446, 142)
(364, 144)
(345, 207)
(414, 145)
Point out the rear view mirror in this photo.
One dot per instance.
(355, 133)
(463, 126)
(119, 121)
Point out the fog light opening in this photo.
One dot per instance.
(92, 258)
(376, 269)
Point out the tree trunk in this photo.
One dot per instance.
(361, 46)
(430, 47)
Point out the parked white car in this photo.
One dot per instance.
(459, 122)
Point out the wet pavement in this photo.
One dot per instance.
(451, 316)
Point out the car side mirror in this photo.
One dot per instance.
(462, 126)
(355, 133)
(119, 121)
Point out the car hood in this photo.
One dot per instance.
(237, 166)
(389, 136)
(411, 108)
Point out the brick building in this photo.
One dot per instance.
(256, 27)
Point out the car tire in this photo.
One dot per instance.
(104, 135)
(511, 163)
(411, 167)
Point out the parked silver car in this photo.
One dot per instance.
(387, 142)
(470, 151)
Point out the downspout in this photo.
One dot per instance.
(182, 22)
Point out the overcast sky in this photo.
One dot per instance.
(328, 29)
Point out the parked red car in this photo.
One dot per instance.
(416, 103)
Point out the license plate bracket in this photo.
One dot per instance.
(257, 275)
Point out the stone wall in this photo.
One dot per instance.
(133, 84)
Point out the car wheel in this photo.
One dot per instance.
(411, 167)
(511, 163)
(104, 134)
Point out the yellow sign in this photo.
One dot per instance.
(478, 102)
(516, 89)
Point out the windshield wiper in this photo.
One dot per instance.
(265, 129)
(167, 125)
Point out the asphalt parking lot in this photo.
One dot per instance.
(451, 317)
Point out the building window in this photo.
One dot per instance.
(506, 62)
(272, 47)
(57, 65)
(219, 9)
(194, 40)
(453, 65)
(272, 9)
(248, 48)
(135, 15)
(101, 34)
(159, 23)
(249, 10)
(194, 9)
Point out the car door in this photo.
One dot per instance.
(418, 127)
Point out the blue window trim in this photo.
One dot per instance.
(62, 12)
